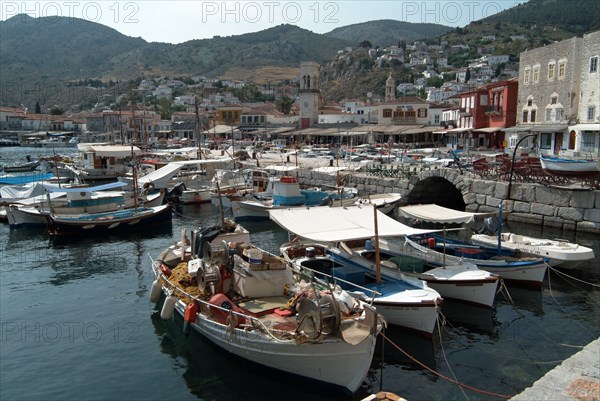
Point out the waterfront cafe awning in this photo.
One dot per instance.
(419, 130)
(437, 214)
(488, 130)
(458, 130)
(280, 168)
(343, 223)
(220, 129)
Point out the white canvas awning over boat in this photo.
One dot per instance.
(163, 174)
(437, 214)
(332, 224)
(109, 150)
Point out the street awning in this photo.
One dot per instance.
(458, 130)
(585, 127)
(488, 130)
(549, 128)
(512, 130)
(437, 214)
(333, 224)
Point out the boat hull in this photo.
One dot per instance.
(334, 363)
(67, 225)
(528, 272)
(568, 167)
(560, 253)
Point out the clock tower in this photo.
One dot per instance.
(309, 94)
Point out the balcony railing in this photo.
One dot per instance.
(493, 109)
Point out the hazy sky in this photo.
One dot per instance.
(180, 21)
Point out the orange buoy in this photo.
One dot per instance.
(189, 317)
(431, 242)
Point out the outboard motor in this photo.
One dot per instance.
(490, 226)
(174, 194)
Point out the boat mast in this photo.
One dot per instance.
(377, 258)
(133, 161)
(198, 134)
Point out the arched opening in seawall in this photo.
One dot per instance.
(436, 190)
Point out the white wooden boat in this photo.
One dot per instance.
(439, 250)
(103, 223)
(404, 301)
(561, 253)
(465, 282)
(571, 167)
(329, 338)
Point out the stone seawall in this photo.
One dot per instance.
(575, 209)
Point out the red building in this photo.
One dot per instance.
(484, 114)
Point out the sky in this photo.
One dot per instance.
(180, 21)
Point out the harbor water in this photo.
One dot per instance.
(77, 324)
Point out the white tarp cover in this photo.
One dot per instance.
(163, 173)
(332, 224)
(97, 188)
(9, 193)
(437, 214)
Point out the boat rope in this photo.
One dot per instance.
(484, 350)
(571, 277)
(506, 397)
(504, 290)
(446, 359)
(561, 307)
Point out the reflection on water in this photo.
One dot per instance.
(474, 319)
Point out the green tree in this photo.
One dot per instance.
(435, 81)
(365, 44)
(38, 109)
(56, 111)
(284, 104)
(165, 106)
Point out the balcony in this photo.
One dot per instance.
(493, 110)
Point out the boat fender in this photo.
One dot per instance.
(165, 270)
(189, 317)
(155, 291)
(168, 307)
(431, 243)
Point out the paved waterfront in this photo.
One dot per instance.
(576, 379)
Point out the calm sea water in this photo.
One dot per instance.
(76, 323)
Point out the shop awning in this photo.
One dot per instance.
(437, 214)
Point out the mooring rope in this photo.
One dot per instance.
(506, 397)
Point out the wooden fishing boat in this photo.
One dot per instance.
(250, 303)
(103, 223)
(407, 302)
(561, 253)
(571, 167)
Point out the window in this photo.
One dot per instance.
(593, 64)
(532, 119)
(591, 113)
(436, 119)
(588, 141)
(548, 115)
(553, 99)
(527, 76)
(536, 73)
(562, 66)
(387, 113)
(545, 140)
(422, 113)
(551, 71)
(559, 114)
(525, 115)
(529, 102)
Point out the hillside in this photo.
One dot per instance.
(387, 32)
